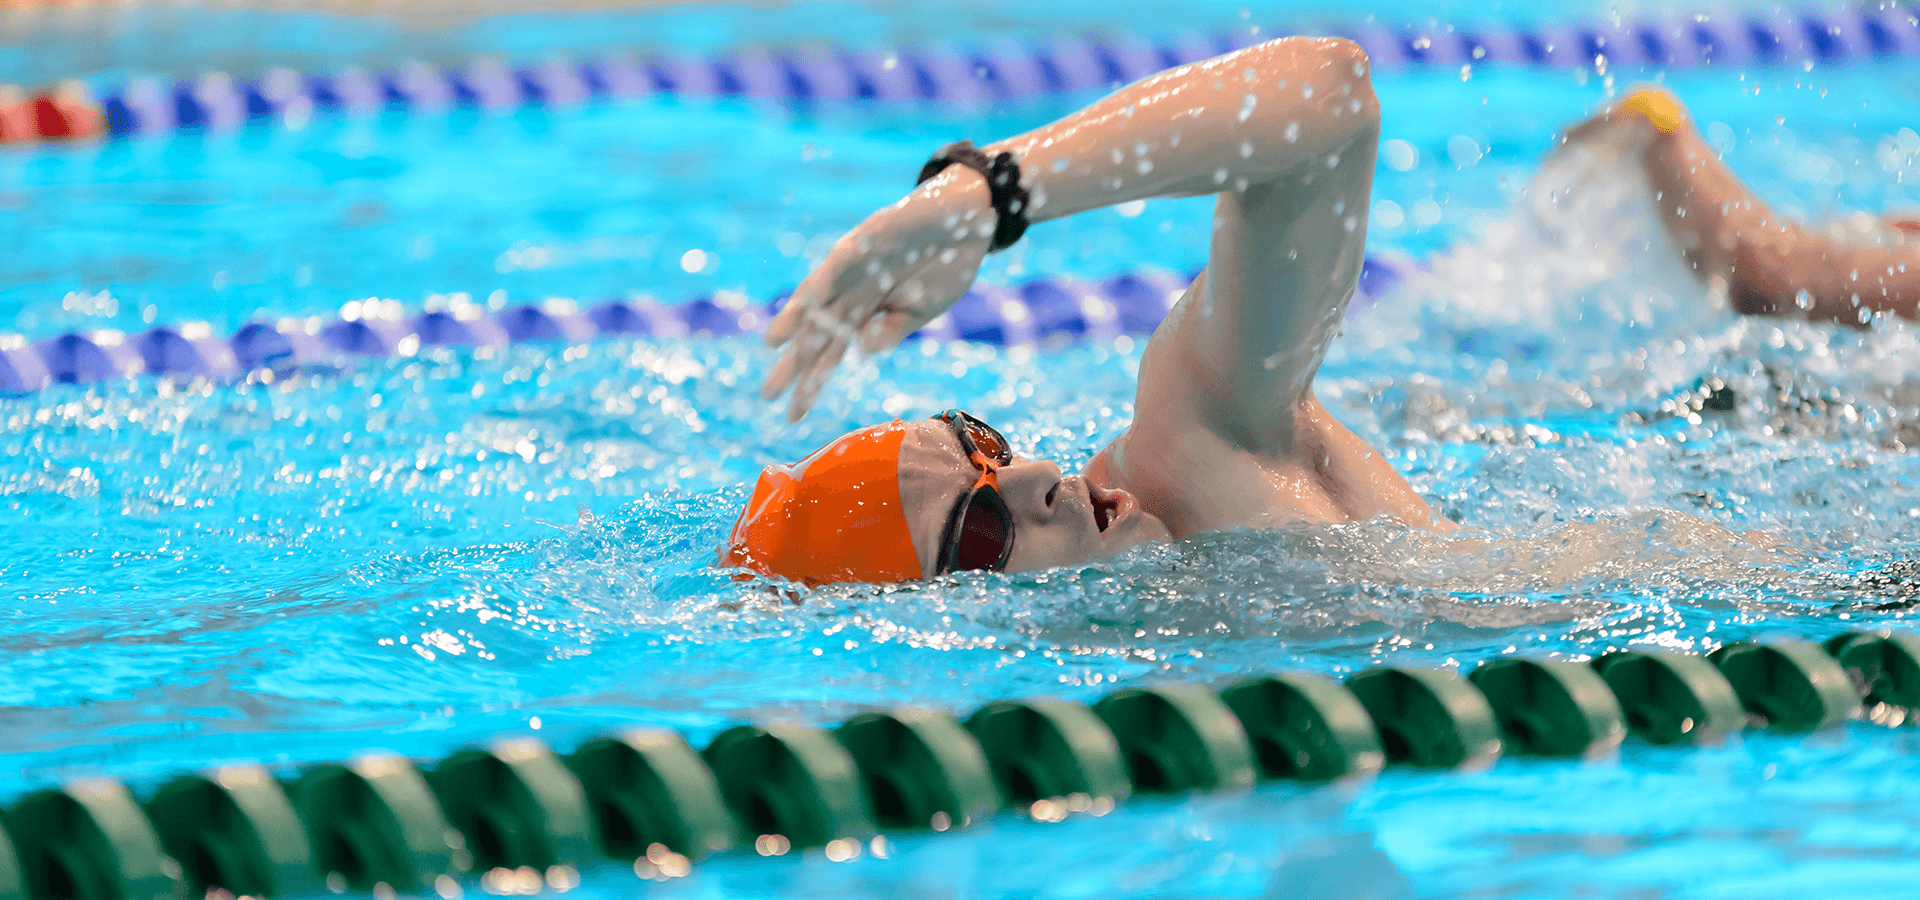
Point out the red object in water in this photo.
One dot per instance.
(16, 120)
(65, 117)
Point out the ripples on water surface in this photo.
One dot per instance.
(417, 553)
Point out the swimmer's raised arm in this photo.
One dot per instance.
(1769, 264)
(1285, 131)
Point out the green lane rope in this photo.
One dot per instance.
(374, 821)
(645, 797)
(647, 788)
(923, 770)
(1305, 728)
(13, 884)
(1428, 717)
(1042, 749)
(516, 805)
(234, 828)
(1669, 698)
(1884, 669)
(1178, 738)
(791, 781)
(90, 841)
(1789, 686)
(1551, 707)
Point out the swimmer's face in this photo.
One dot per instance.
(1057, 520)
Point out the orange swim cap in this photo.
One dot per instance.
(833, 516)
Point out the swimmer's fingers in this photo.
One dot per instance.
(816, 291)
(816, 341)
(885, 331)
(819, 369)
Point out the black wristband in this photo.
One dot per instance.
(1003, 186)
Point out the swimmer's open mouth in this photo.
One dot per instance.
(1105, 509)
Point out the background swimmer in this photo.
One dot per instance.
(1226, 432)
(1734, 242)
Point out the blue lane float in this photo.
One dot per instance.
(1004, 68)
(1044, 312)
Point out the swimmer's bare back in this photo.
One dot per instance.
(1226, 430)
(1768, 265)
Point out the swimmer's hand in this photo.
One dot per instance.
(885, 279)
(1631, 124)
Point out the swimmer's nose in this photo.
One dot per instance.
(1028, 487)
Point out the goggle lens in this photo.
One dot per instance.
(985, 538)
(980, 533)
(988, 441)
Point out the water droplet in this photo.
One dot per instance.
(1131, 208)
(1219, 176)
(1463, 150)
(1333, 160)
(1306, 90)
(1247, 103)
(1145, 166)
(1293, 132)
(1399, 154)
(1246, 149)
(1466, 72)
(1060, 165)
(1803, 299)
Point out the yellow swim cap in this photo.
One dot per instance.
(1657, 107)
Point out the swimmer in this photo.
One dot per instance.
(1226, 431)
(1734, 242)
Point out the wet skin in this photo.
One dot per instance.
(1226, 430)
(1058, 519)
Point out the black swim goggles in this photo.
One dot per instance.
(979, 532)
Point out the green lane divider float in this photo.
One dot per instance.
(1885, 669)
(1178, 738)
(13, 883)
(791, 782)
(1050, 749)
(1551, 708)
(1789, 686)
(235, 829)
(1672, 699)
(516, 805)
(1428, 717)
(90, 841)
(374, 821)
(648, 787)
(922, 769)
(1305, 728)
(647, 798)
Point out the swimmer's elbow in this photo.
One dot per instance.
(1349, 65)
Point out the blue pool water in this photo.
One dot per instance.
(418, 553)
